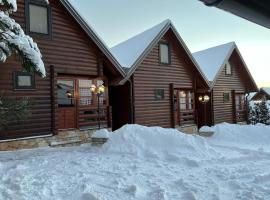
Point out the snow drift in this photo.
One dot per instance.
(156, 142)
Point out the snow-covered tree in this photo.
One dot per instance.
(14, 40)
(264, 115)
(259, 113)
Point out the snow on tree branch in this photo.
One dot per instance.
(14, 40)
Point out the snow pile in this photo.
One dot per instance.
(141, 163)
(245, 136)
(156, 142)
(103, 133)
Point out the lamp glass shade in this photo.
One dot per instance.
(101, 89)
(206, 98)
(93, 88)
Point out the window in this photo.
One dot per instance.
(226, 97)
(39, 20)
(159, 94)
(24, 81)
(164, 53)
(86, 97)
(240, 102)
(65, 91)
(186, 100)
(228, 69)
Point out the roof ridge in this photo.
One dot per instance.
(220, 45)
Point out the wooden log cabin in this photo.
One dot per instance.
(75, 59)
(230, 80)
(162, 81)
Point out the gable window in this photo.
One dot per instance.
(228, 69)
(164, 53)
(24, 81)
(226, 97)
(159, 94)
(39, 19)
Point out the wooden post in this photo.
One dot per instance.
(234, 107)
(53, 100)
(172, 105)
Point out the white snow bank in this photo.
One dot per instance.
(115, 172)
(103, 133)
(247, 136)
(155, 142)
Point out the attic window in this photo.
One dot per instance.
(39, 18)
(228, 69)
(164, 53)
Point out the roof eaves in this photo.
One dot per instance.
(146, 51)
(223, 65)
(92, 35)
(190, 55)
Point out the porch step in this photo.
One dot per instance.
(66, 143)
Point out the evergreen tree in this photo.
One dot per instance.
(13, 110)
(264, 115)
(13, 40)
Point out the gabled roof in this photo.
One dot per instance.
(131, 53)
(266, 90)
(93, 35)
(213, 60)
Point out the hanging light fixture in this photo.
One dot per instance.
(68, 94)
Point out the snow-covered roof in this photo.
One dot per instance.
(211, 60)
(266, 90)
(131, 52)
(128, 52)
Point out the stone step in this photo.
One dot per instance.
(65, 143)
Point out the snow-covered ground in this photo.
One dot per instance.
(145, 164)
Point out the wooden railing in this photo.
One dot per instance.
(93, 118)
(187, 117)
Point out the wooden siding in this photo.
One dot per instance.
(69, 50)
(151, 75)
(238, 82)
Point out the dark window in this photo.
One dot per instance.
(164, 53)
(159, 94)
(228, 69)
(65, 91)
(38, 17)
(24, 81)
(226, 97)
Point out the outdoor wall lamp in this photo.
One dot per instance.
(98, 90)
(68, 94)
(204, 99)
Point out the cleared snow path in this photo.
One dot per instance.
(145, 164)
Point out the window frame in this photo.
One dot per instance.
(226, 72)
(229, 97)
(15, 81)
(169, 53)
(49, 18)
(162, 94)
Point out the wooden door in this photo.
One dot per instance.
(66, 103)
